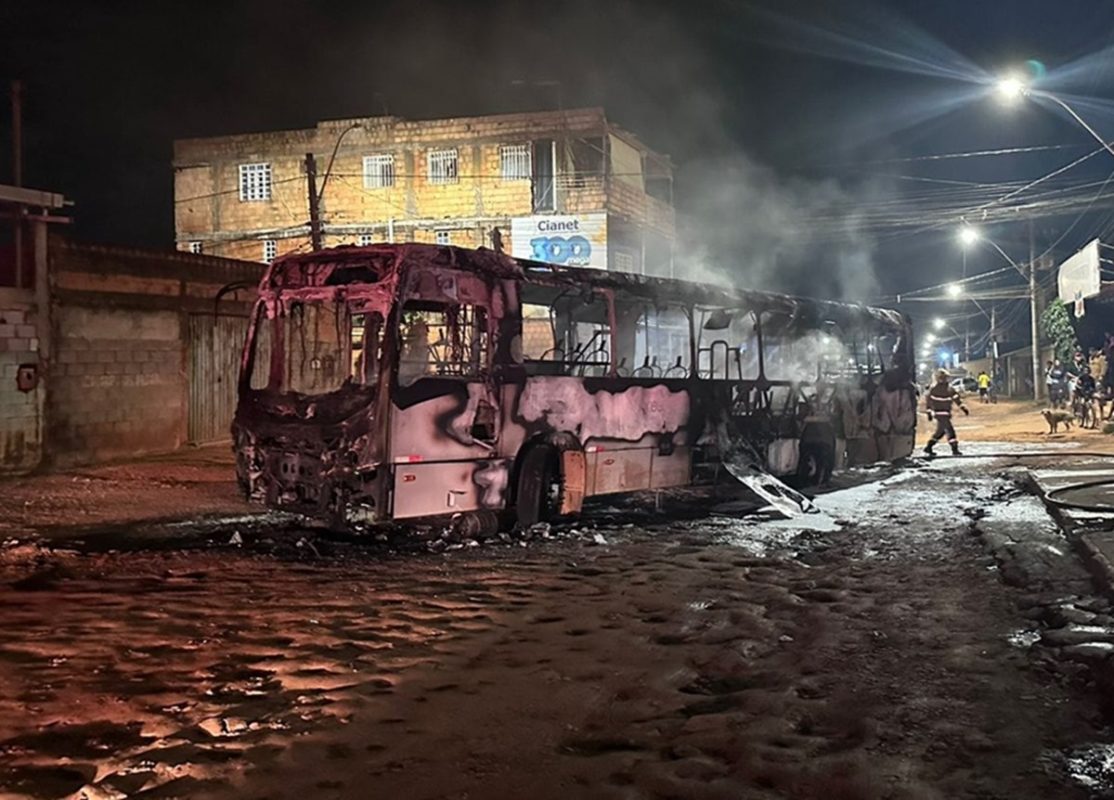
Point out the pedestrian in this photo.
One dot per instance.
(1098, 365)
(1057, 380)
(983, 382)
(1083, 400)
(938, 405)
(1077, 364)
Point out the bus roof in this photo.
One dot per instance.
(348, 264)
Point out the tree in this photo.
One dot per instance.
(1057, 328)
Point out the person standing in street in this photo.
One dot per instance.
(1083, 400)
(983, 382)
(938, 405)
(1057, 384)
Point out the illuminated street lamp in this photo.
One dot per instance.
(954, 290)
(938, 323)
(1013, 87)
(968, 235)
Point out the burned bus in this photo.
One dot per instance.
(404, 382)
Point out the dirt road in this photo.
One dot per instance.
(880, 656)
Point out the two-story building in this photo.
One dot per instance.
(563, 186)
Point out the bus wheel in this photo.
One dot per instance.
(539, 487)
(815, 465)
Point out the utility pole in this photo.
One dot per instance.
(967, 322)
(314, 210)
(994, 346)
(17, 175)
(1033, 323)
(17, 133)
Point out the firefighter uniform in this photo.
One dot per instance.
(938, 403)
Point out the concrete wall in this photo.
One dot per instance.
(20, 411)
(118, 383)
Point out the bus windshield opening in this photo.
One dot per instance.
(316, 348)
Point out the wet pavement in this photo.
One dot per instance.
(914, 641)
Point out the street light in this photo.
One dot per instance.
(938, 323)
(1013, 87)
(954, 290)
(969, 235)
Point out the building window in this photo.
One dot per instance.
(442, 237)
(364, 239)
(624, 262)
(514, 160)
(195, 247)
(442, 166)
(270, 250)
(379, 171)
(255, 182)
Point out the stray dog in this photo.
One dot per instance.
(1055, 417)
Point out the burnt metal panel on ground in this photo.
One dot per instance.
(215, 345)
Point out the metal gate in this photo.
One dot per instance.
(215, 345)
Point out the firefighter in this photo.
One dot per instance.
(938, 405)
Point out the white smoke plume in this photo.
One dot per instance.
(742, 224)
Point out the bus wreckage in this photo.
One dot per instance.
(406, 382)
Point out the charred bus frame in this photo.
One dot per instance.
(399, 382)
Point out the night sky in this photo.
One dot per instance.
(785, 119)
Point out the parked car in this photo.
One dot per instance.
(966, 385)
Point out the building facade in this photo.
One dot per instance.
(568, 187)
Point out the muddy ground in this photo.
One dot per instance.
(928, 640)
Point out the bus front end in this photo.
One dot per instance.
(307, 430)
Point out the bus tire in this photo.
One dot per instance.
(815, 464)
(537, 494)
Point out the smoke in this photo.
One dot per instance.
(743, 224)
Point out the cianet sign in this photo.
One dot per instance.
(576, 240)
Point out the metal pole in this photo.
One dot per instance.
(17, 176)
(17, 133)
(1075, 116)
(994, 345)
(967, 322)
(1033, 324)
(314, 212)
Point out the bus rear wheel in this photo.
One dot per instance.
(815, 465)
(538, 494)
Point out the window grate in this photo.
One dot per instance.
(443, 166)
(514, 160)
(255, 183)
(270, 250)
(195, 248)
(443, 237)
(364, 239)
(379, 171)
